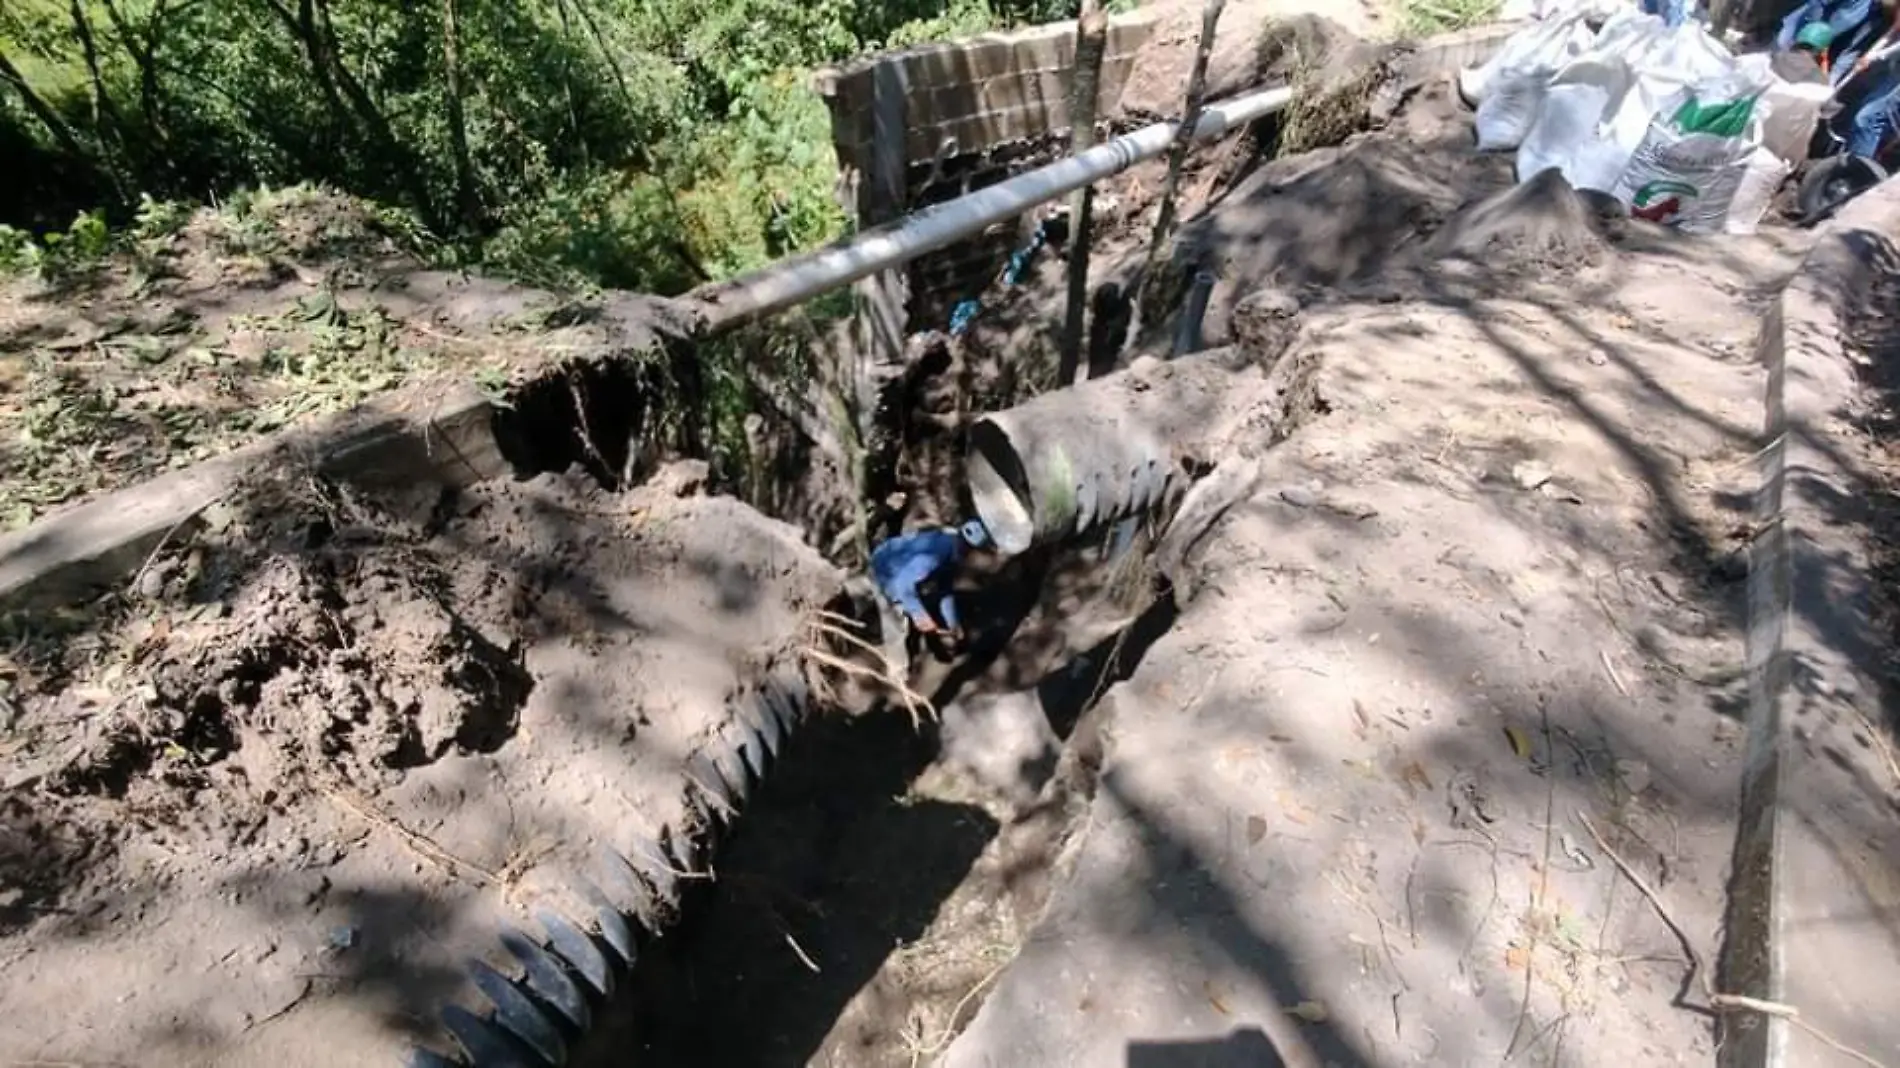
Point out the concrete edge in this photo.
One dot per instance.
(1800, 344)
(1449, 53)
(419, 432)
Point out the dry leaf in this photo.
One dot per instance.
(1256, 830)
(1520, 742)
(1517, 958)
(1413, 775)
(1310, 1011)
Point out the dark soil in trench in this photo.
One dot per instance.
(872, 894)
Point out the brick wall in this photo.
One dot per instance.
(972, 113)
(978, 92)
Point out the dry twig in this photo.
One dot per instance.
(915, 703)
(1537, 897)
(1718, 1002)
(422, 846)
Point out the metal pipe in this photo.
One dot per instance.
(800, 278)
(1065, 462)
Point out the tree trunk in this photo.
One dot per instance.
(1091, 42)
(1153, 290)
(58, 127)
(345, 94)
(104, 115)
(143, 48)
(567, 86)
(467, 203)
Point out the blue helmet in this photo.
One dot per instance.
(975, 533)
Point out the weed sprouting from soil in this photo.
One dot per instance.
(1422, 18)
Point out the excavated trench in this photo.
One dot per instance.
(878, 875)
(650, 819)
(856, 882)
(872, 886)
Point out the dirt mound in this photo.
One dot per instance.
(1258, 42)
(1541, 226)
(446, 697)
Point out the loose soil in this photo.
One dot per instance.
(332, 748)
(1487, 601)
(1876, 347)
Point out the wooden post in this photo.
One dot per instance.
(1090, 44)
(884, 298)
(1150, 296)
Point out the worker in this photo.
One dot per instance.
(1877, 113)
(912, 569)
(1837, 31)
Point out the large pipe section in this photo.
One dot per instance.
(800, 278)
(538, 1008)
(1112, 447)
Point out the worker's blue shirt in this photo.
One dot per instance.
(904, 564)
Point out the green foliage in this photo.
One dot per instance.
(652, 144)
(158, 219)
(960, 19)
(18, 253)
(1422, 18)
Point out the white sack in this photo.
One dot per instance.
(1687, 180)
(1762, 174)
(1538, 50)
(1508, 112)
(1564, 135)
(1793, 110)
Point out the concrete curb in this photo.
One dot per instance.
(401, 437)
(1809, 633)
(1449, 53)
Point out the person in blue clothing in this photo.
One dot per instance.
(1878, 112)
(913, 573)
(1851, 27)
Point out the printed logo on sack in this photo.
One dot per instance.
(1660, 202)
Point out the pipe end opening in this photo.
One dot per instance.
(999, 488)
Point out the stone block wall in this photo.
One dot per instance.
(965, 96)
(928, 124)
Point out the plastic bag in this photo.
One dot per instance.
(1565, 137)
(1508, 113)
(1566, 124)
(1568, 130)
(1689, 166)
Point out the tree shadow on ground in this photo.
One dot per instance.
(832, 869)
